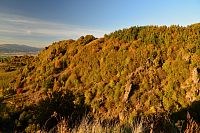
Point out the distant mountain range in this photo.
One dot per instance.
(16, 48)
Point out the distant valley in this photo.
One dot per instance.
(16, 49)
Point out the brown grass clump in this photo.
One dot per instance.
(87, 126)
(192, 126)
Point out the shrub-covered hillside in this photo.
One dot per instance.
(131, 72)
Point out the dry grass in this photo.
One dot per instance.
(141, 125)
(62, 127)
(96, 127)
(5, 77)
(192, 126)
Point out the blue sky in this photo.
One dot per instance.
(41, 22)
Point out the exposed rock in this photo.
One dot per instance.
(195, 77)
(121, 117)
(193, 93)
(193, 84)
(128, 88)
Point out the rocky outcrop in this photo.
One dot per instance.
(192, 94)
(195, 75)
(128, 88)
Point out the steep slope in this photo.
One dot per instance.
(130, 72)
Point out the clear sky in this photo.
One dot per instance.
(41, 22)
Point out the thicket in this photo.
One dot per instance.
(130, 72)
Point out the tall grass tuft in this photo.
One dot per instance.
(87, 126)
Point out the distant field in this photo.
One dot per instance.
(5, 77)
(18, 54)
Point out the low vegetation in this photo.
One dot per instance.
(149, 73)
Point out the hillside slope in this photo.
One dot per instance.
(130, 72)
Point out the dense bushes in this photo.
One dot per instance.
(46, 114)
(140, 70)
(149, 51)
